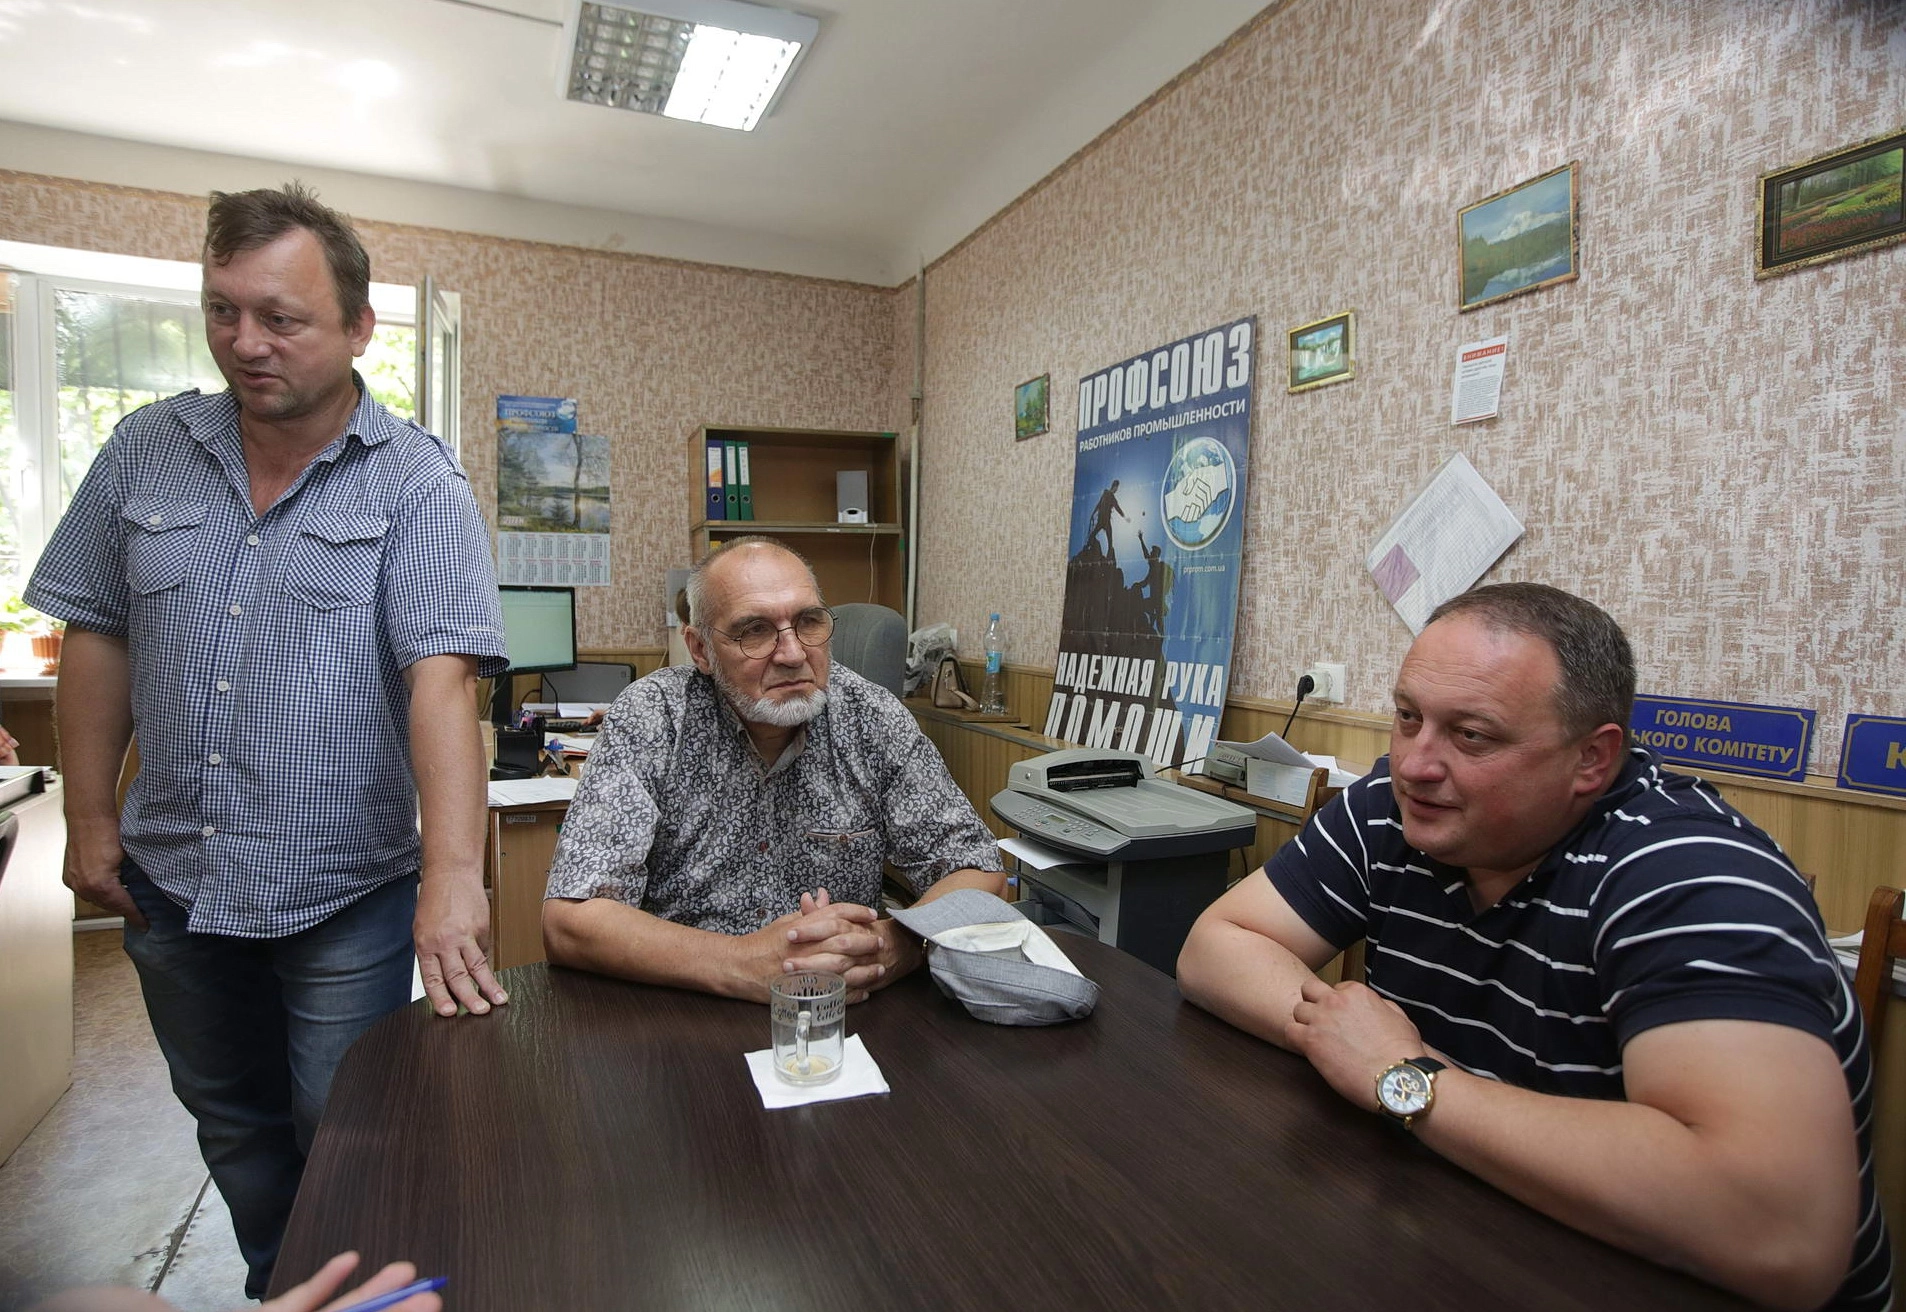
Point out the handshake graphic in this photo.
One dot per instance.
(1191, 496)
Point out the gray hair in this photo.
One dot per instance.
(696, 593)
(1597, 686)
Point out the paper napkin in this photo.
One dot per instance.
(859, 1076)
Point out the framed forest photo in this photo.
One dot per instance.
(1518, 240)
(1831, 206)
(1031, 407)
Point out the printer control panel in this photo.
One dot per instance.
(1040, 820)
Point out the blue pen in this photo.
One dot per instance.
(397, 1296)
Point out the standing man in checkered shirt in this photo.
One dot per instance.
(287, 593)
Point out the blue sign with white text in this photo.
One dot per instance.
(1769, 741)
(1873, 754)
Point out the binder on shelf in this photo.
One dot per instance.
(717, 483)
(732, 471)
(747, 485)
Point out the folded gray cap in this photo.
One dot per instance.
(996, 963)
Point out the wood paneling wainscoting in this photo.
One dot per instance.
(647, 660)
(1850, 842)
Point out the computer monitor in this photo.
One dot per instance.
(539, 630)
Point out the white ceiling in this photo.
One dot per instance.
(907, 125)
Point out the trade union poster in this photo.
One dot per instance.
(1156, 546)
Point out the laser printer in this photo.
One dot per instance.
(1150, 855)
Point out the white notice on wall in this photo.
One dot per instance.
(1445, 539)
(1476, 391)
(573, 560)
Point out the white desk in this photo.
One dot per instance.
(36, 968)
(27, 687)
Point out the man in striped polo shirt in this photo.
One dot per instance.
(1589, 980)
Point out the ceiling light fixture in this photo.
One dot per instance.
(722, 62)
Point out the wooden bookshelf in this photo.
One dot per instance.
(792, 476)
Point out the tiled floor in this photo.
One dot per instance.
(109, 1188)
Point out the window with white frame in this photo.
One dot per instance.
(86, 339)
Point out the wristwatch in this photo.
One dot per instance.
(1407, 1090)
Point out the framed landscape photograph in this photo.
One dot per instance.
(1831, 206)
(1324, 352)
(1519, 240)
(1031, 403)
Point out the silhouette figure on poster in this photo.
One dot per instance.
(1099, 600)
(1123, 620)
(1155, 588)
(1102, 519)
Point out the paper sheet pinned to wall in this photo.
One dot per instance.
(1476, 390)
(1445, 539)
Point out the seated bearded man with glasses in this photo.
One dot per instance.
(736, 815)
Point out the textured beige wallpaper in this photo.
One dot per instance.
(1717, 461)
(903, 318)
(650, 348)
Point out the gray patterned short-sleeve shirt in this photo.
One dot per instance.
(677, 815)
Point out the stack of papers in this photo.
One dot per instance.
(1339, 777)
(1271, 767)
(1040, 857)
(565, 710)
(524, 792)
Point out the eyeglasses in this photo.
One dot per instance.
(813, 627)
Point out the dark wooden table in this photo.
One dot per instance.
(599, 1145)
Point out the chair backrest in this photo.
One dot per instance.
(590, 681)
(1882, 943)
(871, 641)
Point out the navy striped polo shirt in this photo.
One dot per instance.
(1663, 905)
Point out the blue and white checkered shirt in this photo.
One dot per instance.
(267, 651)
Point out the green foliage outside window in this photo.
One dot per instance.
(389, 368)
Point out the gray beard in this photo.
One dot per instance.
(766, 710)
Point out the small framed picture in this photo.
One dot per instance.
(1518, 240)
(1324, 352)
(1831, 206)
(1031, 406)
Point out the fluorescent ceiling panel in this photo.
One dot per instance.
(721, 62)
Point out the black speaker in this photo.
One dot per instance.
(519, 754)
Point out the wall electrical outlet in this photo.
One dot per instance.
(1330, 679)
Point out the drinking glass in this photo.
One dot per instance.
(808, 1016)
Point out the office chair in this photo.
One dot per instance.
(590, 681)
(1882, 943)
(872, 642)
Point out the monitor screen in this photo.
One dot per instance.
(539, 625)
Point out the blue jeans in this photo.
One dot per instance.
(253, 1030)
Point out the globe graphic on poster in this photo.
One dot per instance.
(1200, 487)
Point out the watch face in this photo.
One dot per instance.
(1404, 1090)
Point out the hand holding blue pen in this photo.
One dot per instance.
(387, 1292)
(396, 1296)
(395, 1285)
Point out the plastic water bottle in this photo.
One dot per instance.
(993, 692)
